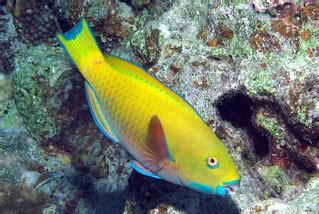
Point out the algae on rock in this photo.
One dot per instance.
(39, 84)
(203, 51)
(276, 178)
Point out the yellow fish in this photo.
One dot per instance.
(165, 135)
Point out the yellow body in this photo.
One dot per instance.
(129, 97)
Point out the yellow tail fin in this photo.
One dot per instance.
(80, 45)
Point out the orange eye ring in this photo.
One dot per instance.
(212, 162)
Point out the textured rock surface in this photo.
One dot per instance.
(7, 35)
(37, 14)
(250, 70)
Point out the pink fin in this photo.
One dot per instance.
(141, 169)
(155, 151)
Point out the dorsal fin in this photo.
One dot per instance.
(125, 65)
(121, 64)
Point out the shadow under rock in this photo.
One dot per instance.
(146, 194)
(97, 199)
(149, 193)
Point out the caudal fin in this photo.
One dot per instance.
(80, 44)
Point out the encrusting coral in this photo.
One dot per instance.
(250, 70)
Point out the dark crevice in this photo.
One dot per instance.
(3, 3)
(282, 110)
(65, 26)
(302, 162)
(237, 108)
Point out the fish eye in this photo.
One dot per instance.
(212, 162)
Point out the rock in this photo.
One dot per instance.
(39, 83)
(35, 21)
(5, 86)
(144, 44)
(45, 91)
(7, 35)
(112, 20)
(275, 177)
(139, 3)
(250, 72)
(285, 139)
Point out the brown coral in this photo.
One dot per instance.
(224, 31)
(264, 42)
(113, 27)
(310, 12)
(145, 45)
(35, 21)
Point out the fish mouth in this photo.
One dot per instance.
(232, 187)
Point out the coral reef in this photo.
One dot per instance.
(275, 177)
(37, 14)
(144, 44)
(19, 190)
(249, 69)
(40, 81)
(112, 20)
(7, 35)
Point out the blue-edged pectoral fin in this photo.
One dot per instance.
(98, 115)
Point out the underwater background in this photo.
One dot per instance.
(249, 68)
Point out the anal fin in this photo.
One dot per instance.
(97, 113)
(141, 169)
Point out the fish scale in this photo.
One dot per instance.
(130, 107)
(164, 134)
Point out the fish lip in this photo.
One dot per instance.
(232, 187)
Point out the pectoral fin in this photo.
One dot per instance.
(155, 151)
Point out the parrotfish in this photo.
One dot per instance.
(165, 135)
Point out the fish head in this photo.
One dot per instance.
(209, 168)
